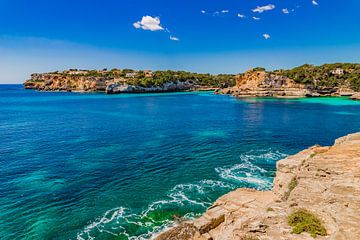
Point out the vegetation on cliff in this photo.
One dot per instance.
(327, 75)
(148, 78)
(161, 77)
(304, 221)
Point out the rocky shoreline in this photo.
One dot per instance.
(320, 182)
(259, 83)
(119, 81)
(303, 81)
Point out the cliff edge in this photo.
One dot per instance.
(316, 193)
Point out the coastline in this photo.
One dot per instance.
(321, 180)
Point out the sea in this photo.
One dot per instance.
(96, 166)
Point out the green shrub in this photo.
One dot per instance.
(293, 183)
(304, 221)
(249, 237)
(269, 209)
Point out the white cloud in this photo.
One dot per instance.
(241, 15)
(174, 38)
(256, 18)
(314, 2)
(264, 8)
(149, 23)
(203, 11)
(266, 36)
(285, 11)
(225, 11)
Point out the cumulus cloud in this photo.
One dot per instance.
(266, 36)
(174, 38)
(285, 11)
(314, 2)
(241, 15)
(224, 11)
(256, 18)
(149, 23)
(264, 8)
(203, 11)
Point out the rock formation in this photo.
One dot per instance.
(355, 96)
(323, 180)
(167, 87)
(126, 81)
(60, 82)
(255, 83)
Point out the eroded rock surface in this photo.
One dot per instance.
(327, 184)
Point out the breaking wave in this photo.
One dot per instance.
(184, 201)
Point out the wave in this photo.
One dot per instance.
(248, 173)
(184, 201)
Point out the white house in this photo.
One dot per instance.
(338, 71)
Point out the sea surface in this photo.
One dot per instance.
(96, 166)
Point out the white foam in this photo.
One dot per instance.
(184, 195)
(248, 172)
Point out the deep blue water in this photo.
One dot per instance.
(96, 166)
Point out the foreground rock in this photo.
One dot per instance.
(259, 83)
(322, 180)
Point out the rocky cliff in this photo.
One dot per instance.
(256, 83)
(126, 81)
(61, 82)
(316, 193)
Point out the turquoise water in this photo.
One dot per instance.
(93, 166)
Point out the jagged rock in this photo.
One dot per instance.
(328, 185)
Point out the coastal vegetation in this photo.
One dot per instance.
(339, 79)
(147, 78)
(303, 220)
(293, 183)
(249, 237)
(327, 75)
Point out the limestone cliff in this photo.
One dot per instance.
(323, 180)
(61, 82)
(126, 81)
(256, 83)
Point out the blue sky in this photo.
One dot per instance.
(214, 36)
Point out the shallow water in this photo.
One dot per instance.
(96, 166)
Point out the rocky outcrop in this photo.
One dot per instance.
(267, 84)
(167, 87)
(61, 82)
(323, 180)
(110, 85)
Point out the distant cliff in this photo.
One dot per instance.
(316, 193)
(304, 81)
(340, 79)
(126, 81)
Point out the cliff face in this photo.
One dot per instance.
(266, 84)
(59, 82)
(324, 181)
(127, 81)
(80, 83)
(166, 87)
